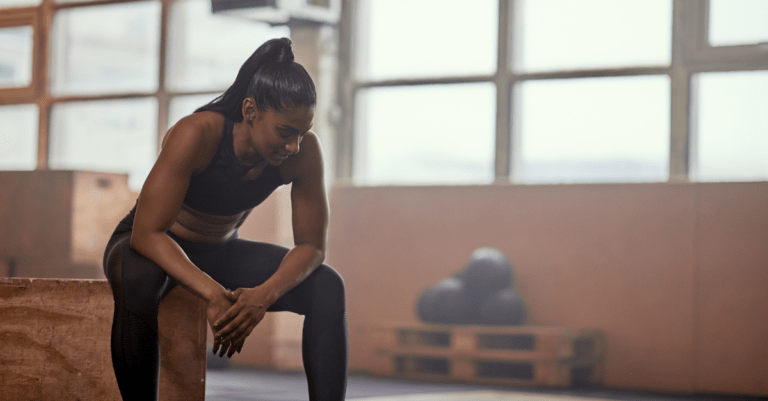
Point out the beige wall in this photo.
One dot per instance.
(675, 274)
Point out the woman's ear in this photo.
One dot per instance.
(250, 113)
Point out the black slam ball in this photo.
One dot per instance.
(503, 307)
(444, 303)
(425, 307)
(487, 271)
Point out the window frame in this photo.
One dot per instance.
(691, 54)
(20, 17)
(38, 92)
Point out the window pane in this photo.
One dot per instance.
(205, 51)
(441, 134)
(18, 137)
(422, 38)
(594, 130)
(738, 22)
(114, 135)
(16, 44)
(106, 49)
(18, 3)
(181, 106)
(567, 34)
(732, 137)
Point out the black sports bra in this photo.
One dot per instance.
(223, 189)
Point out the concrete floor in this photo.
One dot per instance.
(237, 384)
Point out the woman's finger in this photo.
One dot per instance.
(235, 349)
(233, 311)
(238, 347)
(225, 333)
(237, 331)
(225, 346)
(246, 330)
(240, 339)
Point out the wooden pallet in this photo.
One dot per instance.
(522, 355)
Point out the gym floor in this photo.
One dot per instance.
(237, 384)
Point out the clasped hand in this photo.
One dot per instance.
(247, 308)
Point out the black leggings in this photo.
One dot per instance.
(138, 284)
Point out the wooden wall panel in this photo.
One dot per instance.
(732, 307)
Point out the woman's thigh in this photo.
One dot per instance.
(241, 263)
(247, 264)
(137, 282)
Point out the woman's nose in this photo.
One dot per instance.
(293, 145)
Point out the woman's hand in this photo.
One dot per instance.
(239, 320)
(216, 308)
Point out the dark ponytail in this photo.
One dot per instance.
(272, 78)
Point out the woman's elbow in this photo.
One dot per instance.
(139, 241)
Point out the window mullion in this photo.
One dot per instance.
(162, 93)
(686, 41)
(346, 93)
(43, 90)
(503, 81)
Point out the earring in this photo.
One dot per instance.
(250, 122)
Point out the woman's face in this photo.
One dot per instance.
(277, 135)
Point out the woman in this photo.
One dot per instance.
(214, 167)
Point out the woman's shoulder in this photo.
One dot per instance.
(195, 136)
(204, 127)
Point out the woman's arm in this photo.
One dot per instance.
(186, 150)
(309, 216)
(309, 206)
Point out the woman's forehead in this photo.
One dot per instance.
(299, 117)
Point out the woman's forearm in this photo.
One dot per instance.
(299, 263)
(166, 253)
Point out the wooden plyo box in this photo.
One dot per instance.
(55, 342)
(56, 223)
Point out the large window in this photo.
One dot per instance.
(110, 77)
(732, 123)
(431, 91)
(553, 91)
(18, 137)
(594, 129)
(427, 134)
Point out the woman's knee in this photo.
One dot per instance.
(139, 282)
(329, 287)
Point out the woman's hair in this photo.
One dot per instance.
(271, 78)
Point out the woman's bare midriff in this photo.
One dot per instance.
(192, 225)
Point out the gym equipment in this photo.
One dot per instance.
(487, 271)
(503, 307)
(445, 303)
(479, 294)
